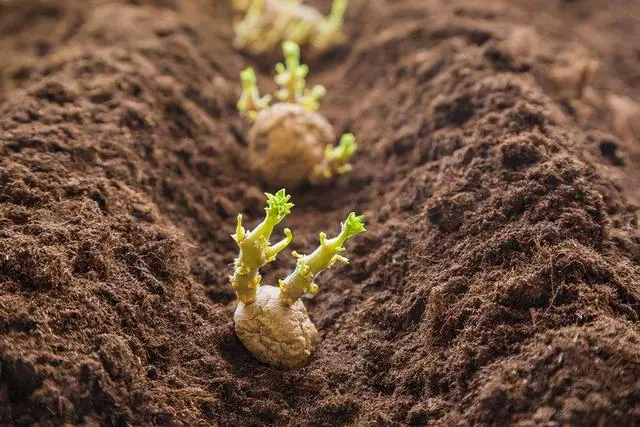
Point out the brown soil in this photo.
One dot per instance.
(499, 281)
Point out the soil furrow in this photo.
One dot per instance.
(498, 281)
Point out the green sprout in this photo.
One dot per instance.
(272, 321)
(250, 101)
(247, 30)
(330, 30)
(339, 156)
(336, 159)
(255, 251)
(298, 31)
(311, 98)
(291, 75)
(301, 281)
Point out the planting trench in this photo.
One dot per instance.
(498, 281)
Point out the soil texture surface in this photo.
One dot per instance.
(498, 168)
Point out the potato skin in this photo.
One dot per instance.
(286, 142)
(281, 336)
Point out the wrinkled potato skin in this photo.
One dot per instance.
(286, 142)
(275, 334)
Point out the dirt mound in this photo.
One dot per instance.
(498, 281)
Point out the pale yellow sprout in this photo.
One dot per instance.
(259, 30)
(298, 31)
(329, 31)
(269, 22)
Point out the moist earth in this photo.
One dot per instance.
(498, 168)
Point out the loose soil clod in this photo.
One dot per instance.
(498, 281)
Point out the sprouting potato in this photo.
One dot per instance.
(290, 143)
(269, 22)
(272, 322)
